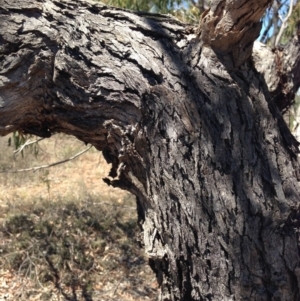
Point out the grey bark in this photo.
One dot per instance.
(188, 124)
(281, 69)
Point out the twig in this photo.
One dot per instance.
(48, 165)
(284, 21)
(116, 288)
(110, 204)
(28, 142)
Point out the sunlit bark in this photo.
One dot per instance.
(188, 124)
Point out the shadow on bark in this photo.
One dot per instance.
(244, 150)
(202, 147)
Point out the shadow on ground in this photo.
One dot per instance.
(80, 251)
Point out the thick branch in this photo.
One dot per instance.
(230, 28)
(281, 70)
(84, 69)
(199, 143)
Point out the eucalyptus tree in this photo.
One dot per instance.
(188, 116)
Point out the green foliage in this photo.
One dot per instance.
(19, 140)
(187, 11)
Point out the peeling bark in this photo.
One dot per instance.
(193, 134)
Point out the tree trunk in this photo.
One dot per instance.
(188, 124)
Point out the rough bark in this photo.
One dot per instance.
(281, 69)
(190, 130)
(230, 28)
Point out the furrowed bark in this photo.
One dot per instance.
(191, 131)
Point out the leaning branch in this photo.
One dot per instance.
(48, 165)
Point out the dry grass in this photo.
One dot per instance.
(64, 234)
